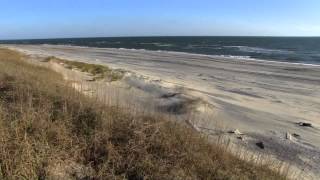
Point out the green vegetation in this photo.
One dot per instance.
(50, 131)
(98, 71)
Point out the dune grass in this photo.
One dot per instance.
(50, 131)
(98, 71)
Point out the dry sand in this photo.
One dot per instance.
(263, 100)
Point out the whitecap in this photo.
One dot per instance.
(260, 50)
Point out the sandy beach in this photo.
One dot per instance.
(264, 100)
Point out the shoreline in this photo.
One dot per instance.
(226, 57)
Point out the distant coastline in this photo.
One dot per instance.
(226, 57)
(298, 50)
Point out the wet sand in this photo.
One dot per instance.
(263, 100)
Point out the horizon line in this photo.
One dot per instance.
(154, 36)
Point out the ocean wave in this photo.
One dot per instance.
(196, 46)
(194, 54)
(129, 49)
(260, 50)
(158, 44)
(210, 56)
(236, 57)
(106, 42)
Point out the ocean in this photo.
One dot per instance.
(286, 49)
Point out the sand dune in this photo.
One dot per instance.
(263, 100)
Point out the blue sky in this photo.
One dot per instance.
(88, 18)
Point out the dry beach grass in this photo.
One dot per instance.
(49, 130)
(98, 71)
